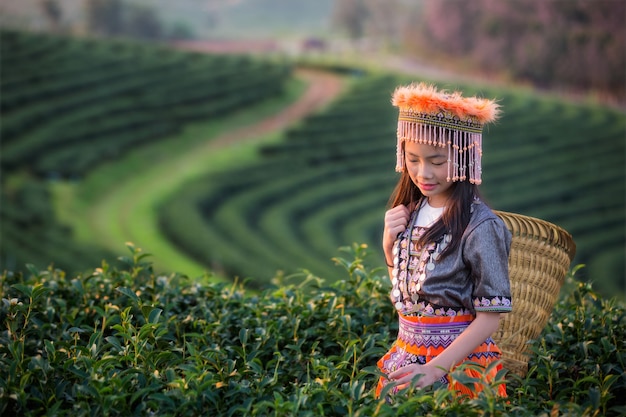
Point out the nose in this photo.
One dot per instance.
(422, 171)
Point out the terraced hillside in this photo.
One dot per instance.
(68, 105)
(327, 185)
(288, 211)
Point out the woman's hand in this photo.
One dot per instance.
(396, 221)
(405, 375)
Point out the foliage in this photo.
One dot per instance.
(31, 233)
(131, 342)
(581, 356)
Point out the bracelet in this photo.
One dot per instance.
(390, 266)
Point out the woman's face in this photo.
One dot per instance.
(428, 168)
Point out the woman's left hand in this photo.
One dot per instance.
(405, 375)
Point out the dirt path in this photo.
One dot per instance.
(126, 213)
(322, 89)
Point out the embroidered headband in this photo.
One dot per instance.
(432, 117)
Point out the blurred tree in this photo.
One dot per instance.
(386, 20)
(53, 13)
(143, 23)
(351, 16)
(120, 18)
(181, 31)
(569, 44)
(573, 44)
(105, 17)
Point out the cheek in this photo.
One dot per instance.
(412, 170)
(442, 170)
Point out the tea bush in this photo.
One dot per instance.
(129, 341)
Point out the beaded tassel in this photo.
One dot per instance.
(464, 148)
(436, 118)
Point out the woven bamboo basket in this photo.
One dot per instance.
(540, 257)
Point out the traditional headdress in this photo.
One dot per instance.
(448, 120)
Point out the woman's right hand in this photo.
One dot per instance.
(396, 221)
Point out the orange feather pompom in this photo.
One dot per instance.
(425, 98)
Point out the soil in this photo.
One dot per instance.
(322, 88)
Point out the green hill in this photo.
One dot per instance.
(70, 105)
(323, 186)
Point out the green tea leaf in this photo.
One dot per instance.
(129, 293)
(27, 290)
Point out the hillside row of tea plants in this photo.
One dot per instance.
(68, 105)
(130, 341)
(87, 100)
(327, 183)
(289, 209)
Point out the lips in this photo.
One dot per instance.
(427, 187)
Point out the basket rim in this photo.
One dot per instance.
(555, 235)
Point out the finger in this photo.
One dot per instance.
(399, 214)
(398, 373)
(403, 386)
(404, 211)
(399, 220)
(405, 380)
(394, 228)
(395, 223)
(398, 211)
(395, 231)
(402, 208)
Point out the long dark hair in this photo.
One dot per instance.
(456, 215)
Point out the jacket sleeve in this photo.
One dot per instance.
(486, 251)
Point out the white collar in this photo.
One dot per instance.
(428, 215)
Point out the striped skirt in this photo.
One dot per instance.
(422, 338)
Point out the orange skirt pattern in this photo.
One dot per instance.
(422, 338)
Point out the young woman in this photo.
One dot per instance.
(447, 252)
